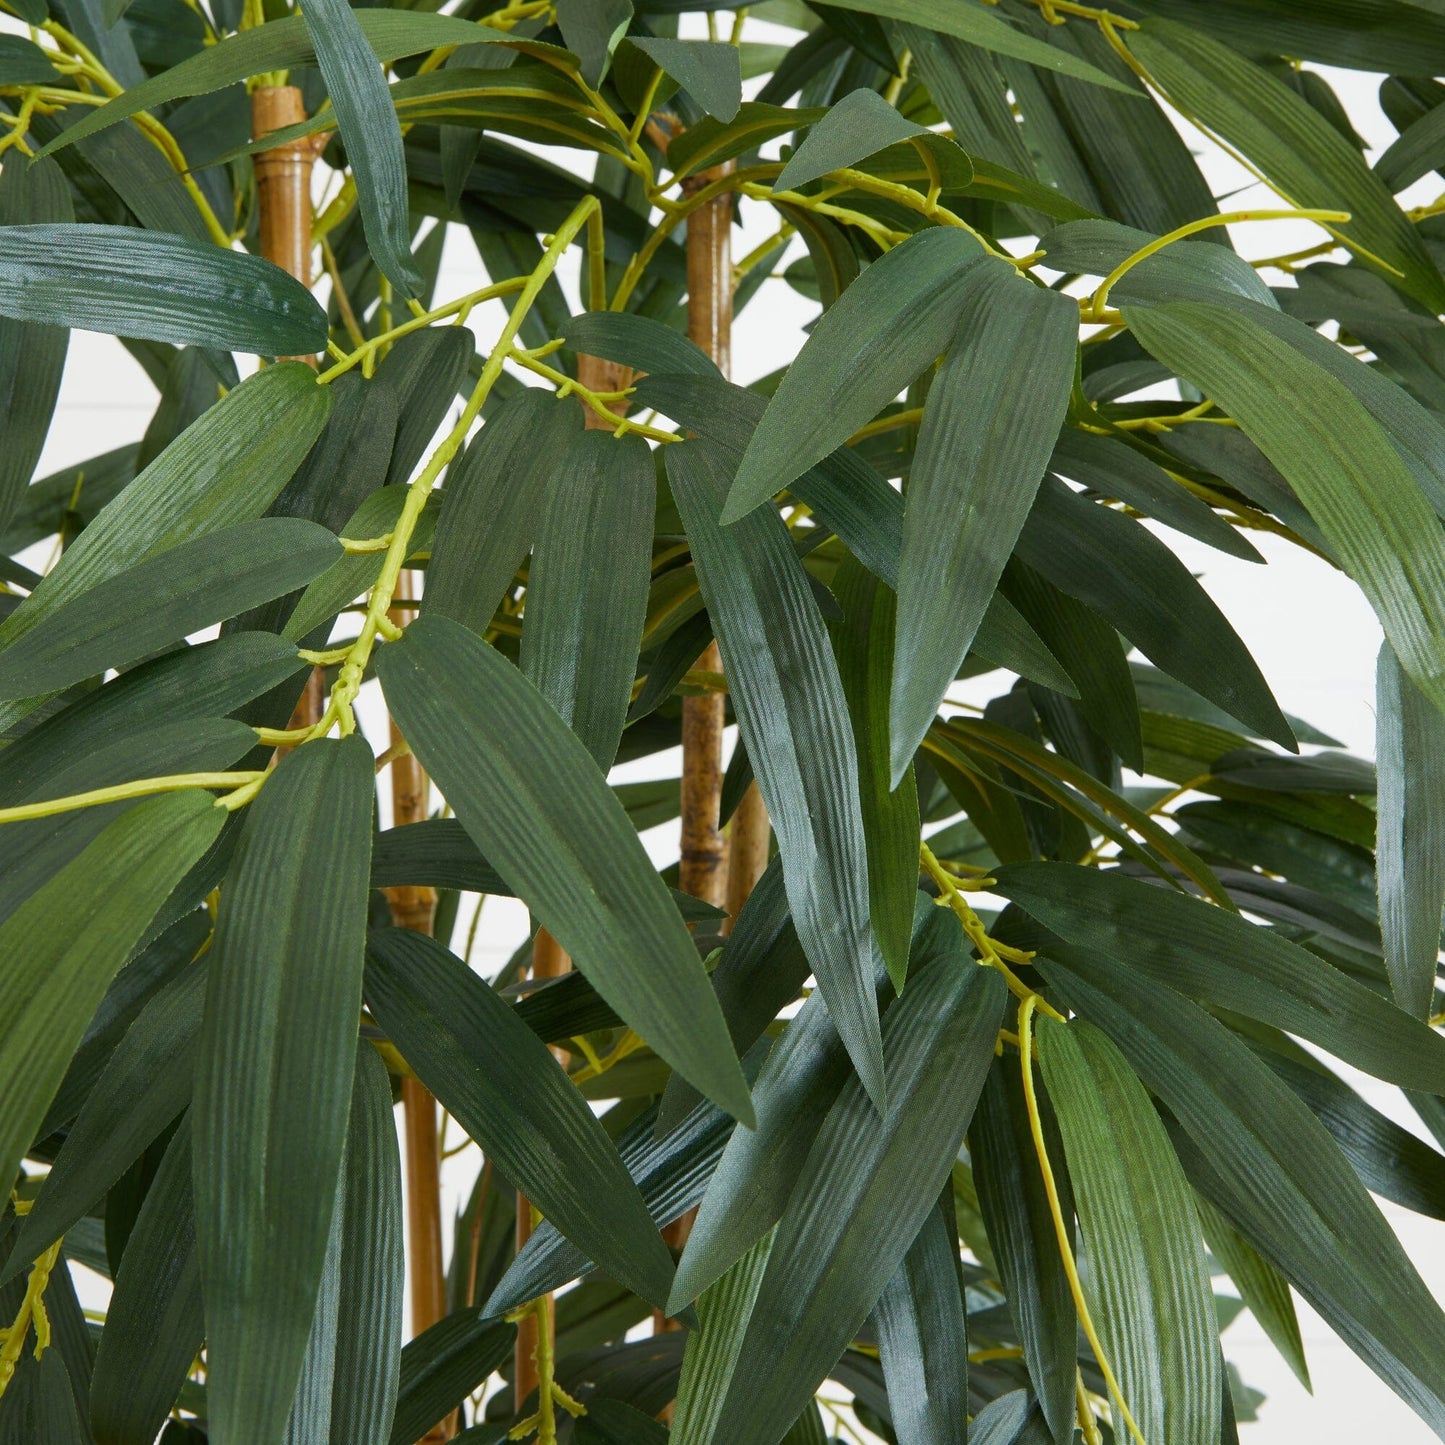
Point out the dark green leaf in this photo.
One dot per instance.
(442, 1366)
(711, 141)
(591, 28)
(856, 126)
(587, 585)
(526, 790)
(23, 62)
(1410, 833)
(989, 427)
(793, 718)
(1227, 962)
(67, 941)
(1148, 1286)
(274, 1077)
(637, 341)
(880, 334)
(536, 1126)
(709, 72)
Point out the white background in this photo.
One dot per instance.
(1308, 627)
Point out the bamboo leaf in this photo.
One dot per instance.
(1300, 153)
(793, 718)
(186, 588)
(1148, 1285)
(371, 133)
(712, 141)
(1328, 447)
(1410, 833)
(875, 339)
(526, 790)
(442, 1366)
(526, 1115)
(989, 426)
(68, 940)
(125, 281)
(855, 127)
(637, 341)
(587, 586)
(710, 72)
(1225, 961)
(274, 1078)
(1259, 1155)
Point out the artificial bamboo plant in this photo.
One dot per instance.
(1073, 962)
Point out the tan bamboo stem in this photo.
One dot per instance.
(549, 959)
(748, 835)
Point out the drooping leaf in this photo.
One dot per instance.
(186, 588)
(274, 1077)
(442, 1366)
(989, 427)
(1224, 960)
(793, 717)
(67, 941)
(525, 1113)
(125, 281)
(887, 326)
(587, 586)
(525, 789)
(371, 133)
(1410, 833)
(1329, 448)
(591, 28)
(1258, 1154)
(639, 342)
(856, 126)
(1148, 1286)
(710, 72)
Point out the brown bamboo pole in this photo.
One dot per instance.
(549, 959)
(748, 835)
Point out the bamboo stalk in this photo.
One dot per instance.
(549, 959)
(748, 835)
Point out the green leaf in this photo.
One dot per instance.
(368, 126)
(854, 128)
(32, 357)
(592, 28)
(989, 426)
(493, 498)
(1121, 570)
(710, 72)
(1303, 156)
(442, 1366)
(587, 585)
(610, 1422)
(525, 789)
(1330, 450)
(187, 588)
(155, 1323)
(1415, 152)
(22, 62)
(712, 141)
(1264, 1290)
(1410, 833)
(1224, 961)
(68, 940)
(145, 1086)
(875, 339)
(983, 28)
(862, 642)
(793, 719)
(1020, 1229)
(274, 1077)
(1147, 1284)
(40, 1405)
(535, 1125)
(129, 282)
(279, 45)
(865, 1190)
(923, 1335)
(637, 341)
(1262, 1158)
(372, 1265)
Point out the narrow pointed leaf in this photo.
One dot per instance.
(1148, 1286)
(274, 1078)
(709, 72)
(442, 1366)
(155, 1322)
(70, 937)
(875, 339)
(587, 586)
(185, 589)
(989, 426)
(1259, 1155)
(1225, 961)
(793, 717)
(525, 789)
(371, 133)
(1331, 451)
(1410, 833)
(923, 1335)
(537, 1127)
(856, 126)
(129, 282)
